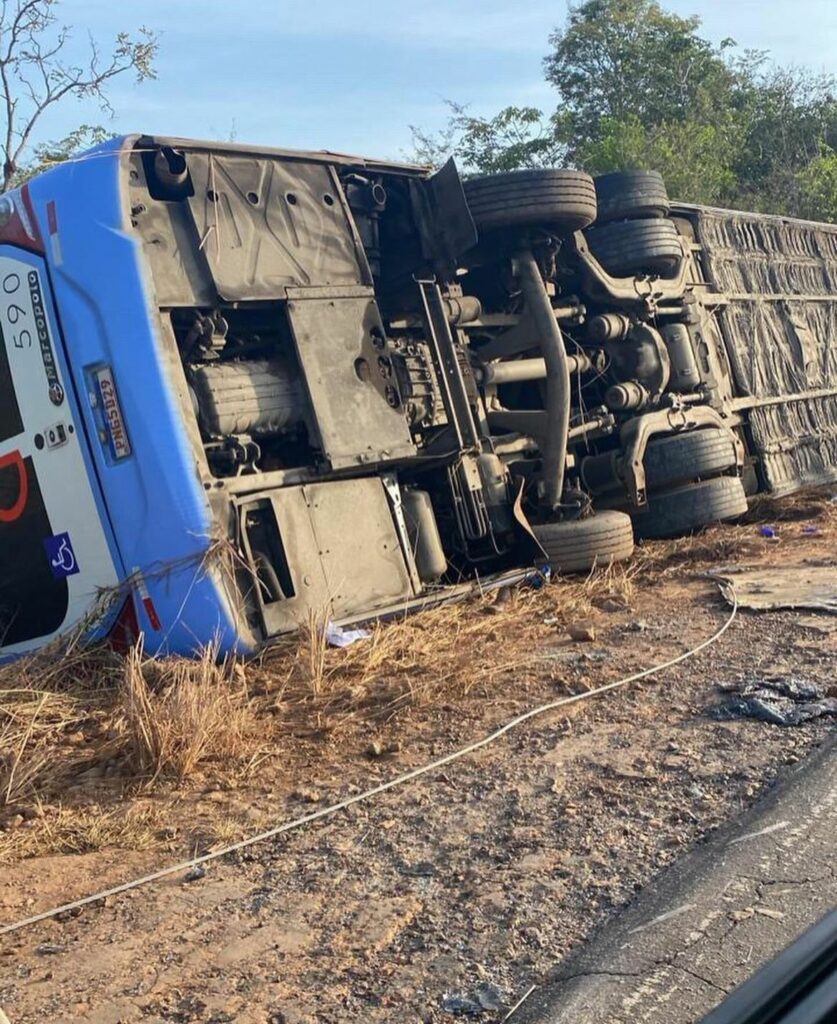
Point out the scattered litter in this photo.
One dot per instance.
(49, 949)
(336, 636)
(807, 586)
(769, 532)
(810, 531)
(540, 577)
(195, 874)
(586, 634)
(788, 701)
(461, 1006)
(485, 999)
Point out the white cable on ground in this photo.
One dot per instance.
(399, 780)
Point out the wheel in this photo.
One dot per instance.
(626, 194)
(688, 508)
(563, 200)
(629, 247)
(680, 457)
(580, 544)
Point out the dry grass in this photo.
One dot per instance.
(82, 728)
(741, 541)
(175, 714)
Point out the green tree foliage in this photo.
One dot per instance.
(817, 187)
(639, 87)
(516, 137)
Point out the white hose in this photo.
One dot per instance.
(399, 780)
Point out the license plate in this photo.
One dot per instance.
(120, 446)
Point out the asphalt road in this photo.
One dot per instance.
(713, 919)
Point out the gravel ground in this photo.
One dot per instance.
(461, 890)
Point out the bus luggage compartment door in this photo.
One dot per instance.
(324, 549)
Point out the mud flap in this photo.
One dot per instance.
(444, 219)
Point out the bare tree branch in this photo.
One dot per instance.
(35, 77)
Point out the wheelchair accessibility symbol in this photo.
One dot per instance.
(62, 558)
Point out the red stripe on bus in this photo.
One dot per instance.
(9, 515)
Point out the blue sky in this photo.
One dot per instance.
(354, 76)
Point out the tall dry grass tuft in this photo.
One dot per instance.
(176, 713)
(314, 644)
(24, 759)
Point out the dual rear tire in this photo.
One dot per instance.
(686, 490)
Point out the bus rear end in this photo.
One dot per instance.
(56, 550)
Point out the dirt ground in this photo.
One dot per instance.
(460, 889)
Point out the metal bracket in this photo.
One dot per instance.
(393, 490)
(636, 434)
(645, 291)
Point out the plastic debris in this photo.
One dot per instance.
(195, 874)
(486, 998)
(337, 636)
(540, 577)
(769, 532)
(789, 701)
(810, 531)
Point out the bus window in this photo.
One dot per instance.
(33, 593)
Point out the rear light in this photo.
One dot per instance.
(18, 225)
(125, 630)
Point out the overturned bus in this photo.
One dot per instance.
(241, 387)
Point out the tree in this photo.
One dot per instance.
(515, 137)
(619, 59)
(817, 187)
(639, 87)
(788, 119)
(36, 74)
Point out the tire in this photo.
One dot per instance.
(680, 457)
(629, 247)
(581, 544)
(563, 200)
(688, 508)
(627, 194)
